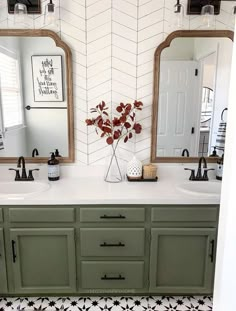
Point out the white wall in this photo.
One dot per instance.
(180, 49)
(45, 129)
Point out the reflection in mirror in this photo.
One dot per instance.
(191, 83)
(34, 103)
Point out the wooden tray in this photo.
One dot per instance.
(142, 179)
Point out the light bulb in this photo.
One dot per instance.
(208, 17)
(20, 14)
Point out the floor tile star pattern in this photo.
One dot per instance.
(136, 303)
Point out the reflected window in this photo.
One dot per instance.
(10, 91)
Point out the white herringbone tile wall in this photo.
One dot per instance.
(113, 43)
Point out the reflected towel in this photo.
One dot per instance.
(220, 138)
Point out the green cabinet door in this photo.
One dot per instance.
(182, 260)
(3, 276)
(43, 260)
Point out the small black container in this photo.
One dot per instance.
(53, 168)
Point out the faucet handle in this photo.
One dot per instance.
(17, 177)
(205, 176)
(192, 176)
(30, 176)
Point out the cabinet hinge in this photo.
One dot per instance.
(196, 72)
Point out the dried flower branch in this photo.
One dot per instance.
(119, 127)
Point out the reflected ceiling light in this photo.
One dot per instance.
(50, 13)
(178, 15)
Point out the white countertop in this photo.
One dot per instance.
(85, 185)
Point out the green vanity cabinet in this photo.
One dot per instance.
(43, 260)
(105, 249)
(3, 275)
(182, 260)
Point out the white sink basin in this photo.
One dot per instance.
(207, 188)
(22, 189)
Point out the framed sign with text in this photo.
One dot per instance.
(47, 78)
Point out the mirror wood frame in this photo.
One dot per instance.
(69, 90)
(156, 82)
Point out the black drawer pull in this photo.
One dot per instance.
(212, 250)
(112, 217)
(112, 245)
(107, 278)
(13, 250)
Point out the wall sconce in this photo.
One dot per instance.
(50, 13)
(178, 15)
(233, 16)
(33, 6)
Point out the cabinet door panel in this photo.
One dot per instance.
(43, 260)
(182, 260)
(3, 276)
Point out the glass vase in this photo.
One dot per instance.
(113, 171)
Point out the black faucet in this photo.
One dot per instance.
(185, 151)
(35, 152)
(199, 171)
(23, 171)
(23, 177)
(200, 176)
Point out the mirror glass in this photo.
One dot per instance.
(34, 103)
(192, 85)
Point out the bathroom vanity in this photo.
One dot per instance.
(81, 235)
(80, 239)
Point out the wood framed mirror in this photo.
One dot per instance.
(36, 96)
(190, 91)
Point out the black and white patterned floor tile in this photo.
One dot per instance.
(152, 303)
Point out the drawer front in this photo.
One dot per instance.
(105, 274)
(1, 215)
(41, 214)
(112, 242)
(185, 214)
(112, 214)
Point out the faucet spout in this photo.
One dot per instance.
(21, 160)
(202, 159)
(199, 175)
(185, 151)
(35, 152)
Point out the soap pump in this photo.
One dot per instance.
(57, 153)
(53, 168)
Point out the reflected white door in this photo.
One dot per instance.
(178, 109)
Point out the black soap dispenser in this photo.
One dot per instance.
(219, 168)
(53, 168)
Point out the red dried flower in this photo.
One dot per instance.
(118, 127)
